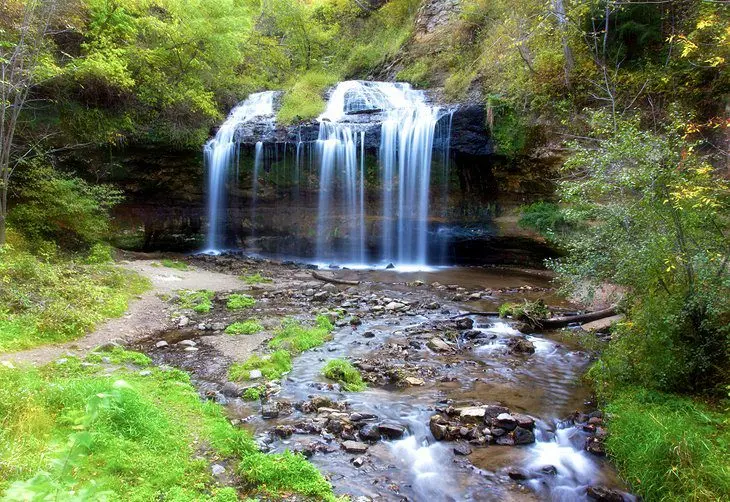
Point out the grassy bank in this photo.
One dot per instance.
(113, 426)
(49, 297)
(669, 447)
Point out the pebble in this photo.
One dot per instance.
(161, 343)
(218, 470)
(354, 447)
(188, 343)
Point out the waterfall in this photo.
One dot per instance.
(363, 121)
(221, 154)
(407, 131)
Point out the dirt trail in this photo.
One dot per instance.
(146, 315)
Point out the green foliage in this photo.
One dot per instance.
(256, 278)
(546, 218)
(669, 447)
(198, 301)
(660, 230)
(304, 99)
(417, 74)
(289, 471)
(272, 366)
(509, 131)
(99, 253)
(54, 300)
(528, 312)
(119, 355)
(345, 374)
(249, 327)
(67, 210)
(238, 301)
(297, 337)
(177, 265)
(254, 393)
(72, 432)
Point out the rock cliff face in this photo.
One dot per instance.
(469, 136)
(165, 191)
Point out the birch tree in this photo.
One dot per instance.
(20, 49)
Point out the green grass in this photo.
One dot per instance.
(254, 393)
(292, 338)
(297, 337)
(198, 301)
(238, 301)
(272, 366)
(249, 327)
(256, 278)
(345, 374)
(58, 299)
(177, 265)
(669, 447)
(72, 428)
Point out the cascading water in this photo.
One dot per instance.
(363, 121)
(221, 154)
(407, 132)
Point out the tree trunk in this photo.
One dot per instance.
(561, 322)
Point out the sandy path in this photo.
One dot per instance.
(146, 315)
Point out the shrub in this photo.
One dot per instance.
(249, 327)
(546, 218)
(254, 393)
(345, 374)
(238, 301)
(60, 208)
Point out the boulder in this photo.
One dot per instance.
(438, 345)
(354, 447)
(369, 432)
(505, 421)
(462, 449)
(523, 436)
(473, 414)
(391, 430)
(604, 494)
(521, 345)
(270, 410)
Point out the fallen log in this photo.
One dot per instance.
(334, 280)
(561, 322)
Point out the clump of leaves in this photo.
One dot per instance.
(344, 373)
(528, 312)
(254, 393)
(249, 327)
(200, 301)
(239, 301)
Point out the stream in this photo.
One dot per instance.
(410, 382)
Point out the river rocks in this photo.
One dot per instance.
(161, 344)
(270, 410)
(230, 389)
(464, 323)
(396, 306)
(369, 432)
(391, 430)
(481, 425)
(473, 414)
(438, 345)
(187, 343)
(523, 436)
(504, 421)
(321, 296)
(521, 345)
(355, 447)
